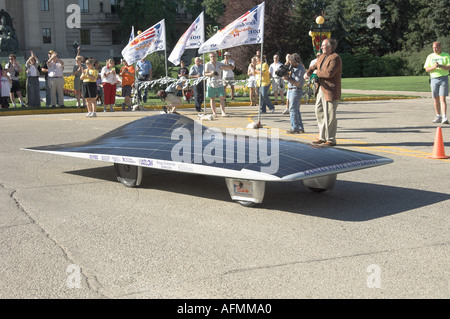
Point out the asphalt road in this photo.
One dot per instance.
(68, 229)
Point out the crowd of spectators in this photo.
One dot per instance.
(109, 76)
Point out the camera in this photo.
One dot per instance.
(215, 73)
(283, 70)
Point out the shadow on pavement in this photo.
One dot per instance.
(348, 201)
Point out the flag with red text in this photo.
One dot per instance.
(151, 40)
(247, 29)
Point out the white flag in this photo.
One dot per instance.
(248, 29)
(151, 40)
(131, 35)
(193, 38)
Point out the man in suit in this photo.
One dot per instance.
(328, 94)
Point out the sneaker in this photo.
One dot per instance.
(438, 119)
(111, 109)
(285, 112)
(444, 120)
(88, 114)
(272, 110)
(93, 114)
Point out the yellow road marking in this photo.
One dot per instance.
(310, 137)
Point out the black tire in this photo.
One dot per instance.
(246, 203)
(127, 174)
(317, 190)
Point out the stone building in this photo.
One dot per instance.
(43, 25)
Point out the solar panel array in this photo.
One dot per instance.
(155, 137)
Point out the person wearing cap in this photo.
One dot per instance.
(228, 74)
(55, 80)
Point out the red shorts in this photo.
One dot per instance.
(109, 93)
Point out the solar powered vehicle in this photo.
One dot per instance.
(247, 162)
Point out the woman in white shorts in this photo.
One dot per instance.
(251, 83)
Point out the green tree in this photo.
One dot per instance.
(301, 21)
(214, 8)
(439, 16)
(276, 30)
(419, 30)
(142, 14)
(335, 13)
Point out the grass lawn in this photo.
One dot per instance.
(394, 83)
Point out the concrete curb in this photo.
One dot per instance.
(24, 111)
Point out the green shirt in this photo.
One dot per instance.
(442, 59)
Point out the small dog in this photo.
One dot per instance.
(207, 117)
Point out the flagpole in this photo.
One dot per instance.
(165, 60)
(203, 75)
(258, 125)
(260, 86)
(204, 86)
(165, 46)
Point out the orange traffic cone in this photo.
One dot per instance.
(438, 149)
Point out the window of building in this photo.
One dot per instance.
(115, 6)
(44, 5)
(84, 6)
(85, 36)
(46, 35)
(116, 37)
